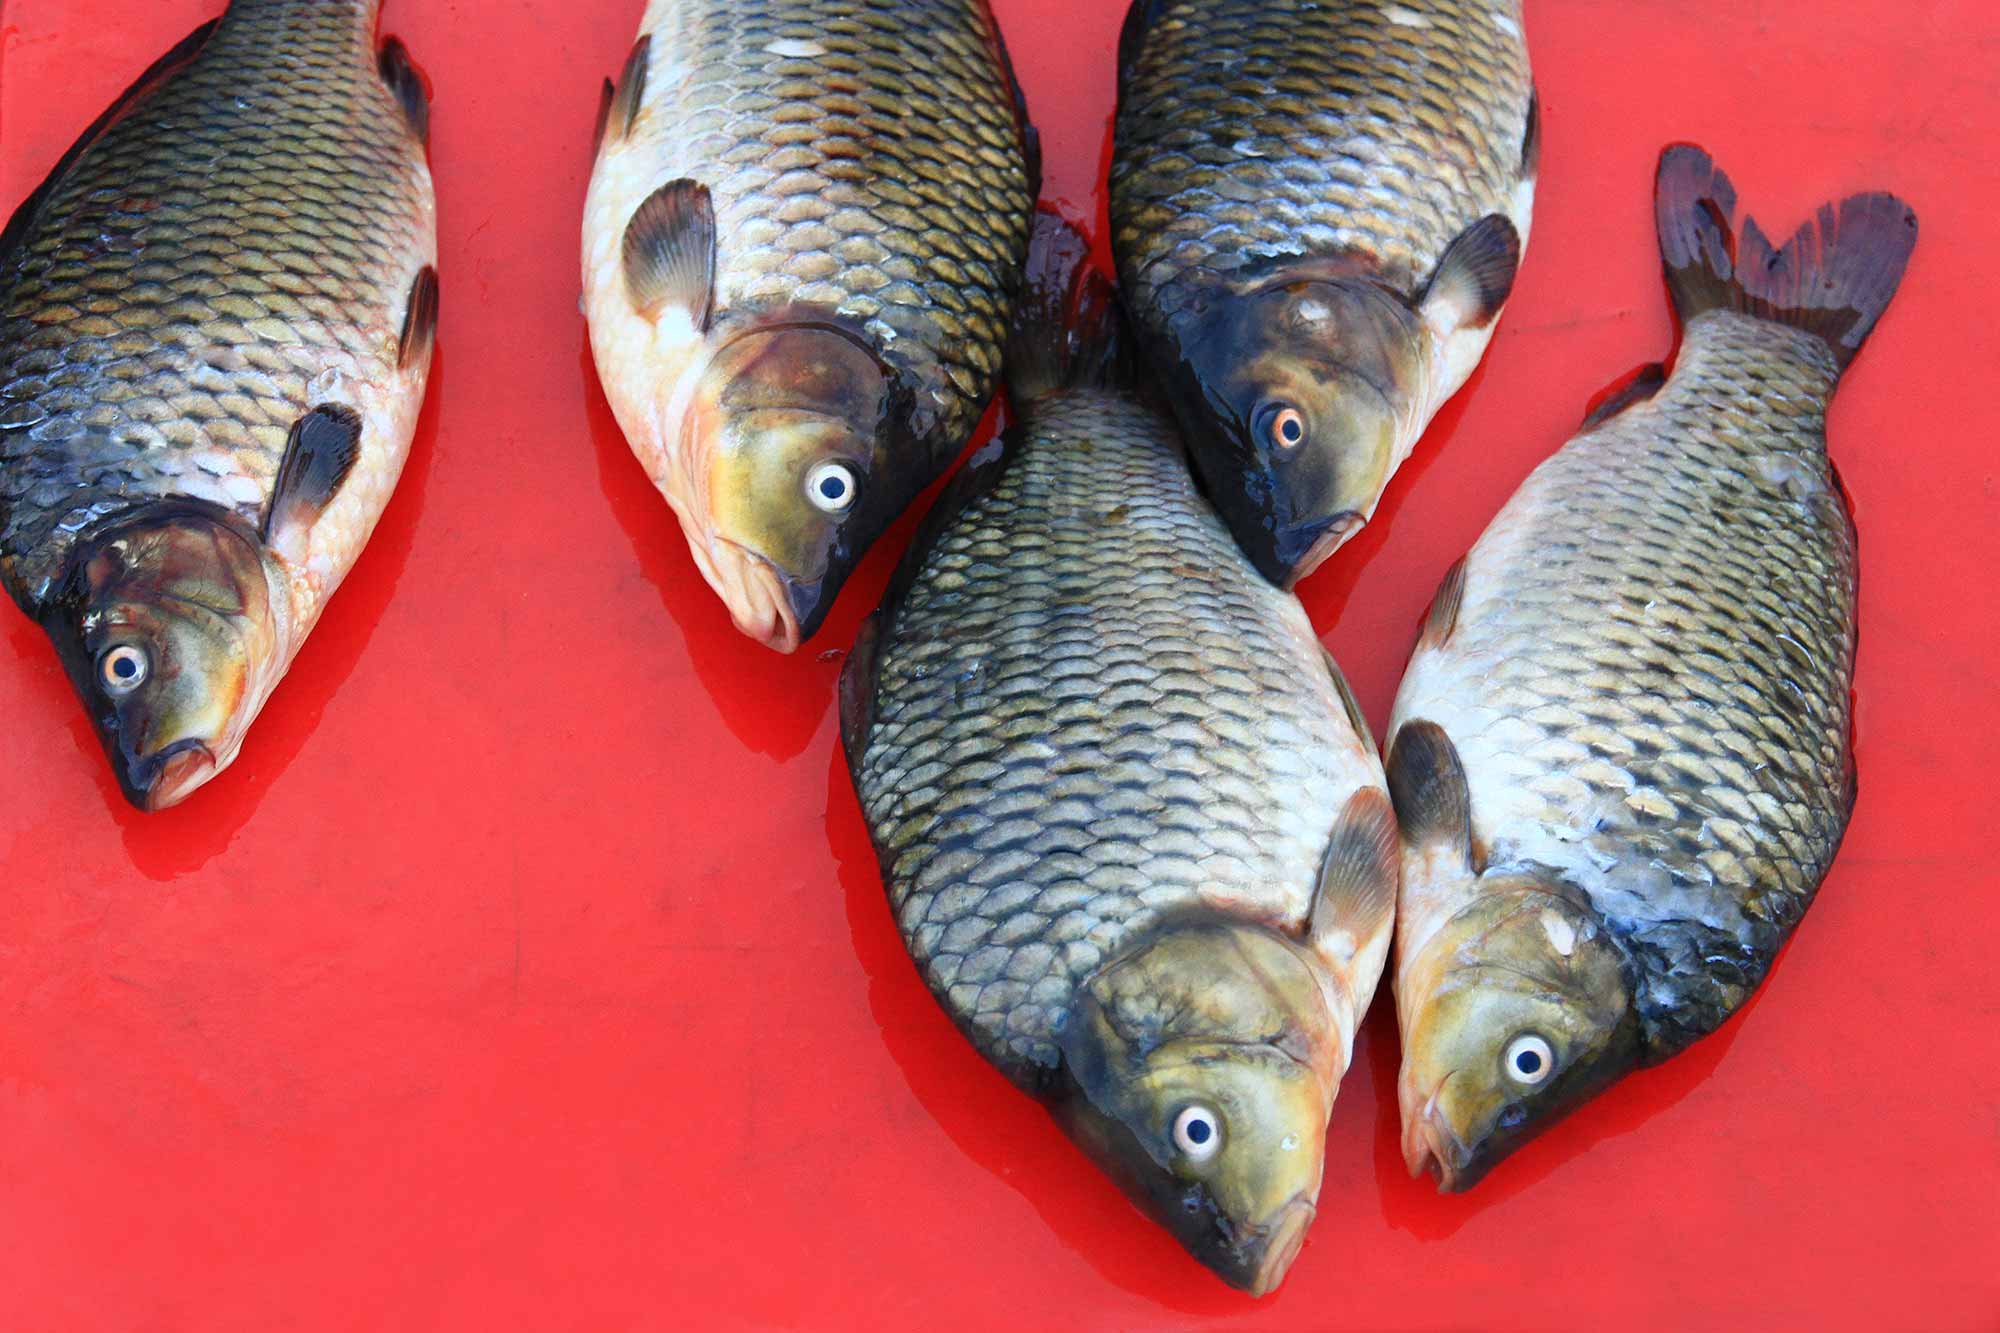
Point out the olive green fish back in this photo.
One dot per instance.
(1253, 129)
(867, 157)
(1650, 673)
(1085, 710)
(217, 260)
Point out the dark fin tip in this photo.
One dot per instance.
(321, 452)
(155, 74)
(1442, 618)
(1833, 279)
(420, 316)
(857, 692)
(1066, 331)
(1475, 275)
(1531, 137)
(604, 97)
(1628, 390)
(1427, 783)
(1355, 717)
(409, 85)
(631, 89)
(670, 251)
(1361, 871)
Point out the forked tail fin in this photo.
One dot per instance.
(1067, 331)
(1834, 278)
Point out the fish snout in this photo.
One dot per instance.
(1281, 1243)
(156, 781)
(1300, 548)
(761, 601)
(1430, 1144)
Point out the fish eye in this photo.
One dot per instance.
(1528, 1059)
(1198, 1133)
(1282, 426)
(123, 668)
(831, 487)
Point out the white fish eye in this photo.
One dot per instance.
(123, 668)
(1198, 1133)
(1285, 427)
(831, 487)
(1528, 1059)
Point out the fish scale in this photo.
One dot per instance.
(1647, 679)
(1249, 131)
(838, 180)
(1090, 712)
(193, 279)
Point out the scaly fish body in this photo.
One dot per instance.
(1318, 209)
(215, 329)
(1621, 752)
(1131, 824)
(801, 247)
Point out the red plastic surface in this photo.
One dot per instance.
(531, 968)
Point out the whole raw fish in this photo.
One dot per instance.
(1621, 754)
(800, 254)
(216, 320)
(1318, 207)
(1132, 825)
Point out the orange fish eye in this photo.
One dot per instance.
(1288, 428)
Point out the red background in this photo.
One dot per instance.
(531, 970)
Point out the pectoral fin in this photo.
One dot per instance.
(670, 252)
(1473, 278)
(1358, 877)
(323, 448)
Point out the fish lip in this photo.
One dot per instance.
(759, 597)
(1430, 1145)
(157, 781)
(1329, 535)
(1282, 1239)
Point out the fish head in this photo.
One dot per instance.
(1305, 390)
(1204, 1064)
(789, 427)
(1516, 1011)
(169, 630)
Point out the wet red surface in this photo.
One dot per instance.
(531, 968)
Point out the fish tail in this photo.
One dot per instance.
(1068, 332)
(1833, 279)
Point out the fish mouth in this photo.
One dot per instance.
(1282, 1241)
(169, 777)
(759, 598)
(1304, 548)
(1430, 1146)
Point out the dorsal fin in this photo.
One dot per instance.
(1442, 618)
(630, 90)
(1355, 717)
(1474, 276)
(420, 316)
(1531, 137)
(670, 252)
(1427, 783)
(324, 445)
(604, 99)
(1358, 876)
(411, 88)
(1626, 391)
(156, 74)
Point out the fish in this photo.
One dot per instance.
(801, 248)
(1318, 211)
(217, 315)
(1621, 755)
(1132, 824)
